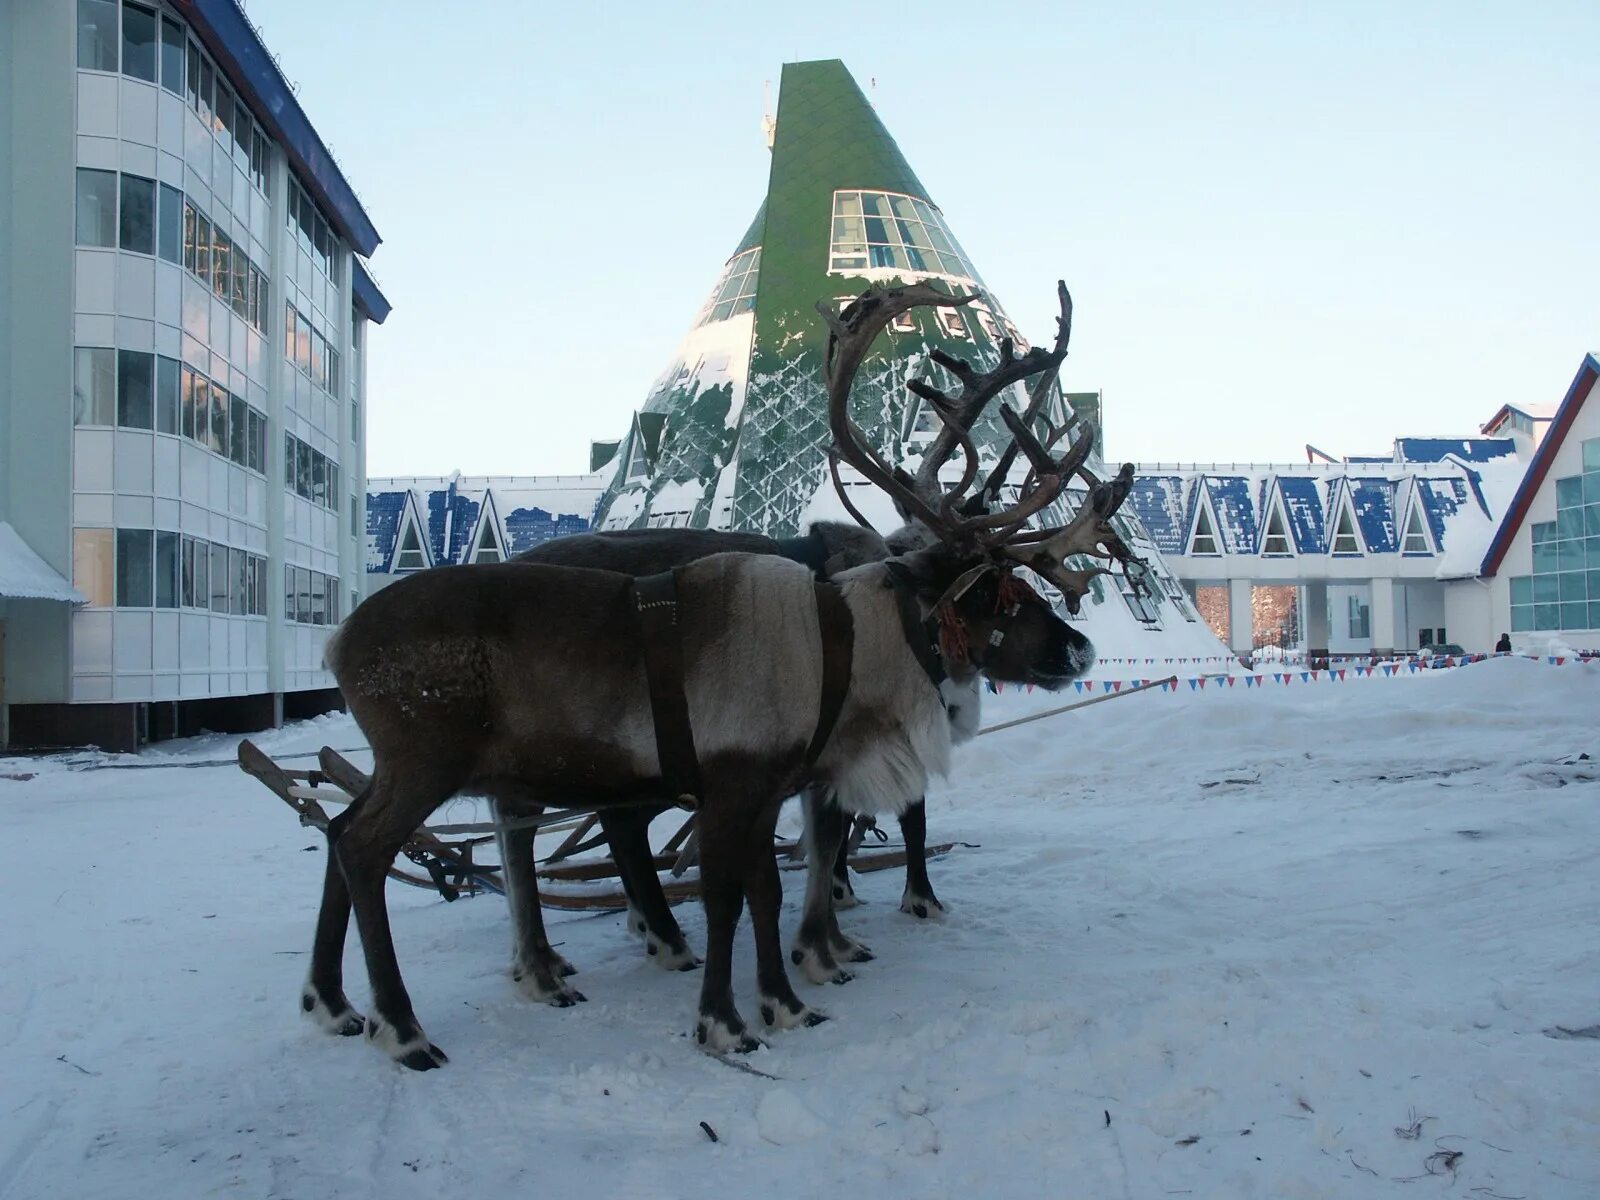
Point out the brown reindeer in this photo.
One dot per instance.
(527, 684)
(828, 548)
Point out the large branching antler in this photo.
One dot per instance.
(1039, 396)
(972, 528)
(852, 333)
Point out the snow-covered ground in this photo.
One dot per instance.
(1294, 942)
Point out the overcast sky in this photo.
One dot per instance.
(1338, 226)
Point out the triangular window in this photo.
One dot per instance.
(488, 549)
(1205, 532)
(638, 461)
(1344, 533)
(410, 556)
(1416, 540)
(1277, 539)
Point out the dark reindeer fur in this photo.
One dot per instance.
(827, 548)
(524, 683)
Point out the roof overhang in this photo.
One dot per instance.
(1582, 386)
(233, 42)
(368, 297)
(26, 576)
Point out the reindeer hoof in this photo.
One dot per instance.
(851, 950)
(341, 1019)
(669, 957)
(789, 1014)
(817, 965)
(716, 1036)
(425, 1060)
(921, 907)
(561, 965)
(550, 990)
(844, 895)
(411, 1049)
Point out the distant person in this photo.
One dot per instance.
(1503, 646)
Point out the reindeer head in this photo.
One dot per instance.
(959, 551)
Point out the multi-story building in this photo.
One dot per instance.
(183, 311)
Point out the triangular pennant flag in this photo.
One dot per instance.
(1193, 683)
(1314, 674)
(1107, 685)
(1340, 673)
(1117, 685)
(1078, 684)
(1560, 661)
(1232, 680)
(1305, 676)
(1258, 679)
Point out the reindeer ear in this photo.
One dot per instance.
(920, 570)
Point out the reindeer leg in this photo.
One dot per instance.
(812, 951)
(844, 896)
(780, 1007)
(323, 999)
(723, 828)
(366, 848)
(649, 914)
(535, 966)
(918, 898)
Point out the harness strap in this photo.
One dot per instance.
(920, 636)
(837, 627)
(655, 599)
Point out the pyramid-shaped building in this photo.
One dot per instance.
(734, 434)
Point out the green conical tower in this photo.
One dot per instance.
(734, 434)
(745, 413)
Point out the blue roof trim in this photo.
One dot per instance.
(1373, 501)
(1304, 508)
(1467, 449)
(1236, 519)
(368, 297)
(384, 513)
(1440, 498)
(228, 34)
(1159, 502)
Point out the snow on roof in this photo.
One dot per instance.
(1420, 450)
(1456, 493)
(528, 510)
(1465, 534)
(26, 576)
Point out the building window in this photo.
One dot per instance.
(1416, 539)
(172, 55)
(218, 438)
(135, 389)
(239, 430)
(410, 557)
(1360, 618)
(94, 386)
(735, 290)
(135, 568)
(168, 547)
(138, 42)
(168, 373)
(1563, 592)
(897, 232)
(94, 565)
(137, 227)
(1277, 539)
(951, 321)
(488, 547)
(1344, 539)
(1205, 533)
(219, 578)
(97, 35)
(97, 207)
(169, 241)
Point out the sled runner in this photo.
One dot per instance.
(445, 857)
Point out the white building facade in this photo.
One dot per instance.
(183, 316)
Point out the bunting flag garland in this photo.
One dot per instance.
(1335, 674)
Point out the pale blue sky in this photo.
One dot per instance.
(1334, 225)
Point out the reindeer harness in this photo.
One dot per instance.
(655, 599)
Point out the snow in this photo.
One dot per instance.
(26, 576)
(1468, 531)
(1219, 944)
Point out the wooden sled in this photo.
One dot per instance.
(443, 857)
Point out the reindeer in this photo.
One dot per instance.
(528, 684)
(828, 548)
